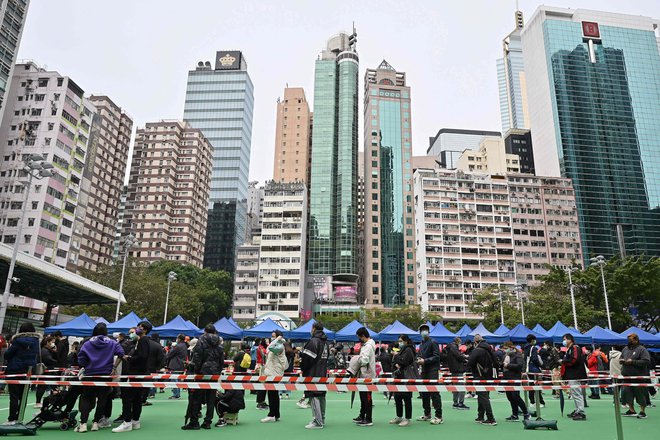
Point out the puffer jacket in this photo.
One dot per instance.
(314, 356)
(176, 358)
(615, 365)
(514, 369)
(368, 359)
(208, 357)
(276, 361)
(22, 353)
(455, 359)
(482, 361)
(641, 360)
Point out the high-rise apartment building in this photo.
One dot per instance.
(12, 20)
(246, 281)
(97, 213)
(490, 158)
(450, 143)
(389, 271)
(333, 211)
(117, 247)
(46, 114)
(293, 137)
(255, 211)
(220, 102)
(594, 119)
(168, 193)
(511, 80)
(519, 142)
(464, 239)
(282, 253)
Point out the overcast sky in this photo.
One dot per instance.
(139, 52)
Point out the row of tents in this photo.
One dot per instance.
(229, 330)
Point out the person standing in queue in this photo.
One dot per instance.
(367, 371)
(276, 363)
(429, 359)
(20, 357)
(573, 370)
(314, 363)
(483, 364)
(404, 368)
(456, 363)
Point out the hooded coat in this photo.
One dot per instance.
(208, 356)
(314, 362)
(276, 361)
(97, 355)
(22, 353)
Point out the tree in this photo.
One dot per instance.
(487, 304)
(410, 316)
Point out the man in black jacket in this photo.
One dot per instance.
(429, 359)
(208, 358)
(456, 363)
(62, 347)
(482, 363)
(138, 364)
(156, 362)
(176, 361)
(573, 370)
(314, 363)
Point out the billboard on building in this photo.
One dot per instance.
(322, 287)
(228, 60)
(346, 294)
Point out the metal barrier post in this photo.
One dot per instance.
(617, 412)
(24, 399)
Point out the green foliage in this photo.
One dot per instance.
(410, 316)
(199, 295)
(336, 321)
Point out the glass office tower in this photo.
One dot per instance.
(333, 180)
(220, 102)
(389, 269)
(594, 113)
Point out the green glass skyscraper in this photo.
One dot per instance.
(594, 111)
(333, 181)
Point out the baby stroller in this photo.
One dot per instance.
(54, 410)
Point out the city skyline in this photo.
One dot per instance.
(468, 80)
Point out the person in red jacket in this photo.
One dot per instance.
(596, 360)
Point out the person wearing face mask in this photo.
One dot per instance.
(138, 364)
(314, 363)
(367, 371)
(512, 369)
(275, 365)
(635, 360)
(404, 368)
(49, 359)
(176, 361)
(573, 370)
(429, 359)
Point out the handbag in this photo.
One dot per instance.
(40, 367)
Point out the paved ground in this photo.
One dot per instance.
(163, 419)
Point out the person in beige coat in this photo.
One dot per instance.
(276, 363)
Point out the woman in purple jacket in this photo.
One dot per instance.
(97, 358)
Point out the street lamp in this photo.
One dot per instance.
(36, 167)
(600, 261)
(569, 271)
(501, 307)
(519, 289)
(170, 277)
(128, 244)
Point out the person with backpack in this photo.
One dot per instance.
(208, 358)
(483, 365)
(242, 359)
(597, 362)
(533, 367)
(551, 358)
(574, 370)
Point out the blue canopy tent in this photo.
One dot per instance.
(231, 321)
(519, 333)
(304, 332)
(606, 336)
(227, 330)
(501, 330)
(557, 332)
(539, 329)
(193, 326)
(392, 332)
(102, 320)
(441, 335)
(263, 329)
(173, 328)
(79, 326)
(491, 338)
(464, 331)
(124, 324)
(347, 334)
(431, 326)
(645, 337)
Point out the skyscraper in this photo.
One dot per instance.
(594, 118)
(511, 80)
(12, 19)
(219, 102)
(334, 178)
(388, 221)
(450, 143)
(293, 138)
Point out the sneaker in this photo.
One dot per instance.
(174, 398)
(543, 404)
(365, 422)
(220, 423)
(595, 397)
(641, 415)
(136, 425)
(302, 404)
(37, 405)
(191, 426)
(118, 420)
(579, 417)
(10, 423)
(206, 425)
(124, 427)
(527, 416)
(478, 420)
(104, 423)
(489, 422)
(95, 426)
(629, 414)
(405, 422)
(437, 421)
(358, 419)
(462, 407)
(268, 419)
(396, 420)
(313, 425)
(423, 418)
(147, 404)
(512, 418)
(81, 428)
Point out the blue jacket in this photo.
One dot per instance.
(532, 358)
(22, 353)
